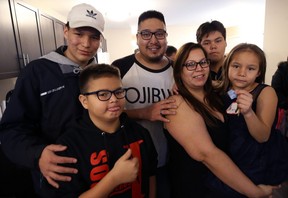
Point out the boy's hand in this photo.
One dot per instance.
(49, 165)
(126, 168)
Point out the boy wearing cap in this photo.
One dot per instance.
(45, 99)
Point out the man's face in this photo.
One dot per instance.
(214, 44)
(83, 44)
(153, 49)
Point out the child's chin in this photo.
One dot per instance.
(115, 114)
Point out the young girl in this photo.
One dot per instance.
(255, 146)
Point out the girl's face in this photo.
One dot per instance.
(103, 111)
(243, 70)
(197, 78)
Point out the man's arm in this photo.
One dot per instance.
(20, 123)
(154, 112)
(21, 139)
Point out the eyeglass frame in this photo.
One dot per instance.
(107, 91)
(206, 60)
(153, 33)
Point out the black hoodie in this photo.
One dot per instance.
(97, 152)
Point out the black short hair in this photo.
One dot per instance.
(170, 50)
(151, 14)
(96, 71)
(207, 27)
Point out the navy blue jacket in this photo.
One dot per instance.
(44, 101)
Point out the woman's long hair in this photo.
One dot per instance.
(211, 98)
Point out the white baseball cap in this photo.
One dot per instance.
(85, 15)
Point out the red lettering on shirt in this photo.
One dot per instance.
(100, 169)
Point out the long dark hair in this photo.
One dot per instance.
(212, 99)
(244, 47)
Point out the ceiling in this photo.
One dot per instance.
(179, 12)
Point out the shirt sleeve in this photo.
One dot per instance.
(20, 124)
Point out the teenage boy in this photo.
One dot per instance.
(116, 156)
(45, 99)
(212, 37)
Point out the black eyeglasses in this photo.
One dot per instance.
(104, 95)
(192, 65)
(147, 35)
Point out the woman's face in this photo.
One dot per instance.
(197, 77)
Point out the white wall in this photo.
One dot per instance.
(275, 35)
(119, 43)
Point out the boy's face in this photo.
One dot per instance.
(103, 112)
(215, 45)
(83, 44)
